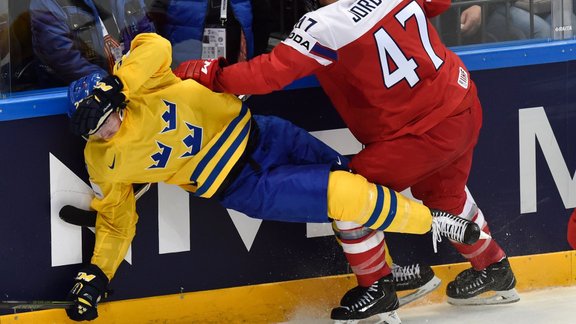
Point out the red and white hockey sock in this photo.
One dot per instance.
(365, 251)
(484, 252)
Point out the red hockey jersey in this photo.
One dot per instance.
(381, 63)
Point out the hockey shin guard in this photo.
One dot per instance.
(352, 198)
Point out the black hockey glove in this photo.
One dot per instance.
(92, 111)
(89, 286)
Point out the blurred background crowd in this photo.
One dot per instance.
(49, 43)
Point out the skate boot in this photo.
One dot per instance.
(418, 278)
(377, 300)
(470, 283)
(454, 228)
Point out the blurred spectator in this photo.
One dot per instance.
(73, 38)
(520, 18)
(4, 35)
(16, 55)
(542, 9)
(199, 29)
(490, 22)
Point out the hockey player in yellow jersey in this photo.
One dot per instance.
(144, 124)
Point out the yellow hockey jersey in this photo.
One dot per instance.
(173, 131)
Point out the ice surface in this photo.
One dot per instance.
(549, 306)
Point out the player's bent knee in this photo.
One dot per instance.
(352, 198)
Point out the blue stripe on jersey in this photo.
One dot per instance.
(223, 161)
(214, 149)
(324, 52)
(378, 208)
(392, 211)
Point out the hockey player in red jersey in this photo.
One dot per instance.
(410, 101)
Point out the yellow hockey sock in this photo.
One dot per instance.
(352, 198)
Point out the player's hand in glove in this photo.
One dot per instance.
(203, 71)
(92, 111)
(89, 286)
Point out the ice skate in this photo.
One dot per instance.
(379, 301)
(497, 279)
(418, 279)
(454, 228)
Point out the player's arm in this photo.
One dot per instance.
(115, 229)
(115, 224)
(307, 50)
(149, 60)
(266, 73)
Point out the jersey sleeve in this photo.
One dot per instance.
(115, 224)
(433, 8)
(147, 63)
(308, 48)
(266, 73)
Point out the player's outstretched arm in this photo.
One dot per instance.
(89, 287)
(203, 71)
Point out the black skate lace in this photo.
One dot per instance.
(448, 225)
(405, 273)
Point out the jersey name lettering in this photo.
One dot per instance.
(362, 8)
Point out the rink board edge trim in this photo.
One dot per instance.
(290, 300)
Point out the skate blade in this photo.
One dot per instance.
(383, 318)
(484, 236)
(498, 298)
(427, 288)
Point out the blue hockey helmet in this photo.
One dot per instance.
(81, 88)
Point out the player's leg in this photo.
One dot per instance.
(375, 292)
(365, 262)
(291, 172)
(490, 270)
(445, 190)
(284, 186)
(406, 160)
